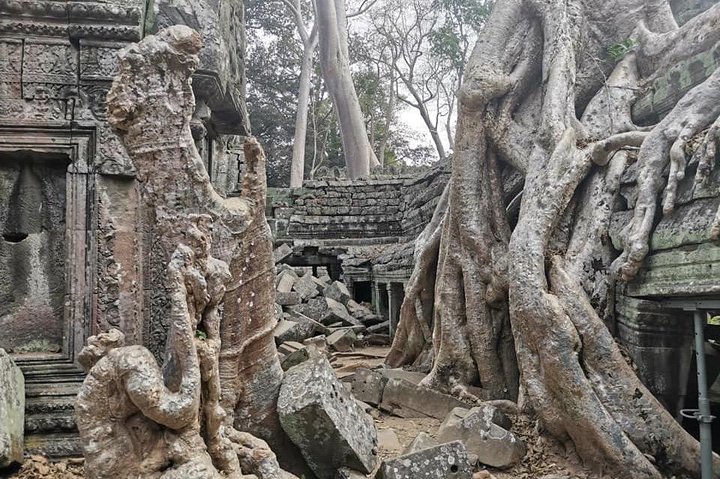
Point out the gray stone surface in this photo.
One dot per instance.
(337, 312)
(306, 287)
(286, 280)
(12, 411)
(287, 299)
(421, 441)
(492, 444)
(405, 399)
(368, 386)
(446, 461)
(282, 252)
(342, 340)
(325, 422)
(338, 291)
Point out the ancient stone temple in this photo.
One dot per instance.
(73, 253)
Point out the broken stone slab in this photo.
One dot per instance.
(287, 299)
(285, 281)
(368, 386)
(324, 421)
(446, 461)
(357, 310)
(493, 445)
(342, 340)
(315, 308)
(336, 312)
(12, 411)
(299, 356)
(338, 291)
(405, 399)
(422, 441)
(298, 328)
(411, 376)
(306, 287)
(317, 342)
(282, 252)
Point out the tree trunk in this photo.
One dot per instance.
(335, 64)
(477, 280)
(156, 133)
(297, 169)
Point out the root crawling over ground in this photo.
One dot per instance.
(542, 99)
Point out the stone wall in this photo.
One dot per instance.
(74, 254)
(364, 212)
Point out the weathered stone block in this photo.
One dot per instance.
(324, 421)
(282, 252)
(404, 399)
(492, 444)
(338, 291)
(368, 386)
(286, 280)
(446, 461)
(342, 340)
(298, 328)
(12, 411)
(306, 287)
(315, 308)
(337, 312)
(287, 299)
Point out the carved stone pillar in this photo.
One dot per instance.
(396, 293)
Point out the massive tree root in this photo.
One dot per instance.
(150, 106)
(541, 98)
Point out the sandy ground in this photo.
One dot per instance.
(544, 457)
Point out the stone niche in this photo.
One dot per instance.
(32, 253)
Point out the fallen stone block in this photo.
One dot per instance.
(368, 386)
(338, 291)
(306, 287)
(422, 441)
(371, 319)
(287, 299)
(356, 309)
(405, 399)
(336, 312)
(410, 376)
(318, 342)
(285, 281)
(446, 461)
(12, 411)
(282, 252)
(493, 445)
(278, 312)
(315, 308)
(324, 421)
(342, 340)
(297, 328)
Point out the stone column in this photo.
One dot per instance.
(396, 293)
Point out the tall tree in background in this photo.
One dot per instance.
(309, 38)
(425, 44)
(538, 107)
(331, 18)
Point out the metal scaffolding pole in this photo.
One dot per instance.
(703, 414)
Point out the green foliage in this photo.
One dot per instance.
(201, 334)
(617, 51)
(714, 320)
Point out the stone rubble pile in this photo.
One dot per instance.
(331, 422)
(309, 307)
